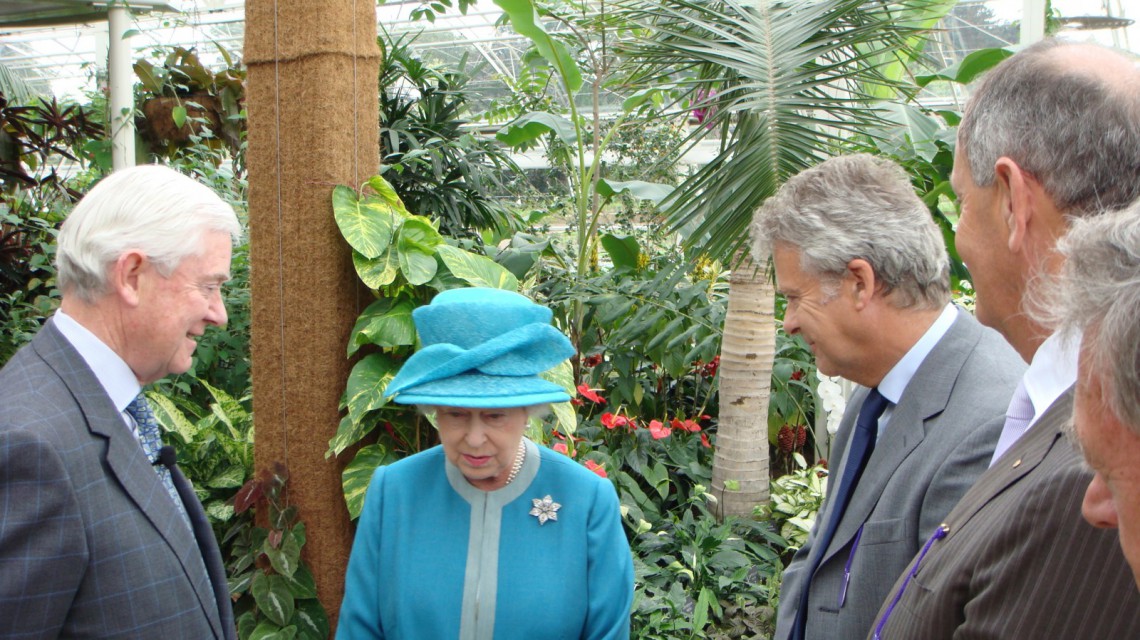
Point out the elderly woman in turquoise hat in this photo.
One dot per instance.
(487, 535)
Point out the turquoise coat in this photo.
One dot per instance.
(436, 558)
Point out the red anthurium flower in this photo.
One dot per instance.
(705, 441)
(590, 394)
(561, 448)
(677, 424)
(658, 430)
(592, 361)
(610, 421)
(709, 370)
(596, 468)
(691, 426)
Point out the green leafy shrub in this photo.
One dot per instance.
(795, 501)
(651, 326)
(214, 442)
(792, 404)
(275, 594)
(437, 166)
(696, 576)
(34, 198)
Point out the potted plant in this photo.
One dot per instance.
(183, 98)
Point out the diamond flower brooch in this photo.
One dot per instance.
(545, 509)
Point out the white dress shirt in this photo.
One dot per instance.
(1053, 370)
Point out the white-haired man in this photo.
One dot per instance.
(100, 534)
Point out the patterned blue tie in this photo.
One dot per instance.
(149, 436)
(858, 453)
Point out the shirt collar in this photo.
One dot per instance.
(112, 371)
(1052, 371)
(897, 379)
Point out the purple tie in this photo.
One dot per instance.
(1017, 418)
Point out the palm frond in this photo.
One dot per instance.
(781, 82)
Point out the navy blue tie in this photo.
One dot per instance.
(858, 453)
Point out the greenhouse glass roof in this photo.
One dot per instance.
(54, 45)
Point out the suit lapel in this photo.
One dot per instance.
(933, 382)
(126, 461)
(1023, 457)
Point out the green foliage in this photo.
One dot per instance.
(185, 102)
(652, 327)
(968, 68)
(779, 83)
(33, 137)
(695, 576)
(275, 594)
(429, 10)
(796, 499)
(27, 276)
(406, 261)
(214, 442)
(436, 166)
(575, 143)
(34, 199)
(791, 405)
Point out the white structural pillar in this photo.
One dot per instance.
(122, 103)
(1032, 21)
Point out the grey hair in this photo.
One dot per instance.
(1097, 294)
(1072, 128)
(859, 206)
(151, 208)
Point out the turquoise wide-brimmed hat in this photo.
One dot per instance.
(482, 348)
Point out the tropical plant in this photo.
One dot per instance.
(36, 136)
(182, 97)
(214, 442)
(779, 84)
(575, 141)
(796, 499)
(792, 404)
(695, 576)
(433, 162)
(34, 198)
(27, 276)
(651, 326)
(274, 593)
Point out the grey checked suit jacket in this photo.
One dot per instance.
(90, 544)
(1019, 561)
(939, 439)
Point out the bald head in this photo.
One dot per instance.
(1065, 113)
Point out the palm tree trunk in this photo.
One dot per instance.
(740, 464)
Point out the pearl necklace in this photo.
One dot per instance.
(520, 457)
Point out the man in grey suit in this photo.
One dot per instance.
(1051, 134)
(1098, 298)
(96, 541)
(866, 276)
